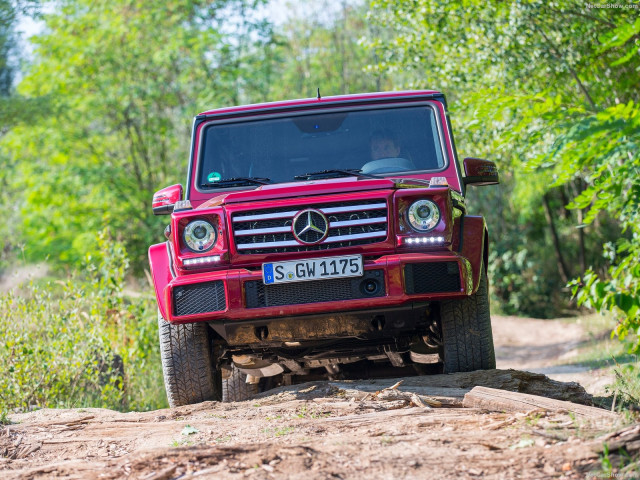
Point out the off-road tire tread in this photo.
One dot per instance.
(466, 331)
(189, 375)
(236, 389)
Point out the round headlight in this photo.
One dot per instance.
(199, 236)
(423, 215)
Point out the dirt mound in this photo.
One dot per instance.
(379, 429)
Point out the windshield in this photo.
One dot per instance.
(375, 142)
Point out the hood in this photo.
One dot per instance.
(309, 188)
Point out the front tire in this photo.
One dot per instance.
(189, 374)
(467, 339)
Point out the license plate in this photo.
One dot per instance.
(312, 269)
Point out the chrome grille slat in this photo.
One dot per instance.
(287, 229)
(350, 223)
(354, 208)
(290, 243)
(355, 236)
(264, 216)
(353, 223)
(262, 231)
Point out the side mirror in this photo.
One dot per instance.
(480, 172)
(164, 200)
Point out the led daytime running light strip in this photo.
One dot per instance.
(423, 240)
(189, 262)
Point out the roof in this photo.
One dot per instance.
(286, 104)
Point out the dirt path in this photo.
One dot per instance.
(333, 430)
(545, 346)
(317, 430)
(17, 276)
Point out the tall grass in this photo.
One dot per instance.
(80, 342)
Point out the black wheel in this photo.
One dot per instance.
(236, 389)
(189, 374)
(467, 340)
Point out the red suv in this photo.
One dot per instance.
(318, 238)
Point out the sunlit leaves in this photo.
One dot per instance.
(122, 82)
(550, 91)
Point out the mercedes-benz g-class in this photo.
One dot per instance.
(325, 237)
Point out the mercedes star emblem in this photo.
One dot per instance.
(310, 226)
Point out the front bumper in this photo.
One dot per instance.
(239, 294)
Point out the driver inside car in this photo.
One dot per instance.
(384, 144)
(385, 154)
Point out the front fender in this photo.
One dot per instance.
(473, 244)
(161, 265)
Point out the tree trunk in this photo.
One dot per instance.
(581, 247)
(562, 266)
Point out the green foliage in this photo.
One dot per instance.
(324, 50)
(4, 418)
(11, 108)
(517, 284)
(79, 343)
(627, 384)
(549, 91)
(606, 145)
(9, 10)
(122, 81)
(103, 115)
(44, 373)
(605, 461)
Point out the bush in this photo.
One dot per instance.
(80, 342)
(518, 285)
(627, 385)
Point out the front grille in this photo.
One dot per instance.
(351, 223)
(259, 295)
(199, 298)
(436, 277)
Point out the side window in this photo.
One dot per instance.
(435, 136)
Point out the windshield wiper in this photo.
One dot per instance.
(238, 182)
(350, 172)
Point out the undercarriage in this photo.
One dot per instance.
(362, 344)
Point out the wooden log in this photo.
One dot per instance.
(457, 384)
(512, 380)
(626, 440)
(503, 401)
(449, 388)
(451, 396)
